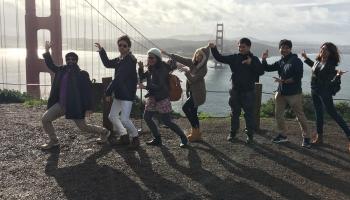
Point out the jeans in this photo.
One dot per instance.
(166, 119)
(55, 112)
(120, 118)
(191, 112)
(324, 98)
(242, 100)
(296, 104)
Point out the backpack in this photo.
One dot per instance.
(335, 86)
(175, 90)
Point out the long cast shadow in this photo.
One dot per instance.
(91, 181)
(275, 184)
(160, 187)
(217, 187)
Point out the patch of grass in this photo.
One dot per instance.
(35, 102)
(13, 96)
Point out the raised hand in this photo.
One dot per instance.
(303, 54)
(265, 54)
(211, 45)
(98, 45)
(48, 46)
(140, 64)
(247, 61)
(340, 72)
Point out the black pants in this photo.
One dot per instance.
(191, 112)
(324, 98)
(166, 119)
(242, 100)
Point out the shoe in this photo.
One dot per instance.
(50, 145)
(103, 137)
(318, 139)
(123, 140)
(280, 139)
(195, 136)
(306, 143)
(184, 142)
(155, 142)
(231, 137)
(135, 143)
(249, 139)
(189, 132)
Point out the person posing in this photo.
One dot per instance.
(195, 87)
(123, 88)
(324, 75)
(289, 92)
(246, 69)
(70, 96)
(157, 77)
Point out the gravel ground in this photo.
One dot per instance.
(211, 169)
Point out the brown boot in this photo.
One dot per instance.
(195, 136)
(189, 132)
(135, 143)
(318, 139)
(123, 140)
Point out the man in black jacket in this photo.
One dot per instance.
(123, 88)
(70, 96)
(246, 69)
(289, 91)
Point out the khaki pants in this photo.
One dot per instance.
(296, 104)
(55, 112)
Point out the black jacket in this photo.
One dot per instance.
(322, 79)
(157, 78)
(124, 84)
(243, 76)
(79, 89)
(288, 67)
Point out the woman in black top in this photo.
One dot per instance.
(324, 77)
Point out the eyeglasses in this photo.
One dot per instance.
(122, 45)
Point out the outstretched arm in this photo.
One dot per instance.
(48, 59)
(105, 60)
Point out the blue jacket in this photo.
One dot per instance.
(287, 67)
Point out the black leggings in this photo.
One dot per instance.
(324, 98)
(191, 112)
(166, 119)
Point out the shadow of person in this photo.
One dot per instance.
(257, 175)
(89, 180)
(218, 188)
(304, 170)
(160, 187)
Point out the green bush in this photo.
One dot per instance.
(12, 96)
(268, 109)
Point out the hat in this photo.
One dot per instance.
(155, 52)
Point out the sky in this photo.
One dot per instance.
(313, 21)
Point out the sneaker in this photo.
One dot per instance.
(184, 142)
(249, 139)
(155, 142)
(280, 139)
(103, 137)
(135, 143)
(50, 145)
(306, 143)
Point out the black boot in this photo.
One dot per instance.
(231, 137)
(184, 141)
(155, 142)
(123, 140)
(135, 143)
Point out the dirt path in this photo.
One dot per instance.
(212, 169)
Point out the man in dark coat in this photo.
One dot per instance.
(246, 69)
(70, 96)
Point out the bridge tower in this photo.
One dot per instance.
(52, 23)
(219, 41)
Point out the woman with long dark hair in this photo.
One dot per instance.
(324, 77)
(158, 101)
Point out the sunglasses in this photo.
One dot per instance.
(122, 45)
